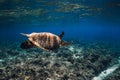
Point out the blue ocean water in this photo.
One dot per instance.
(81, 20)
(77, 18)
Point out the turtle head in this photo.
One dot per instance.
(64, 43)
(27, 44)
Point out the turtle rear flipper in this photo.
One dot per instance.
(27, 44)
(27, 35)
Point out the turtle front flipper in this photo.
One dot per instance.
(27, 44)
(61, 35)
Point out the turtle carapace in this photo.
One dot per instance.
(43, 40)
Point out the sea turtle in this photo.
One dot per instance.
(43, 40)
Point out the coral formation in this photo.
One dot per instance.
(36, 64)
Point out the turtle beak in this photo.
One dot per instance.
(26, 45)
(63, 43)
